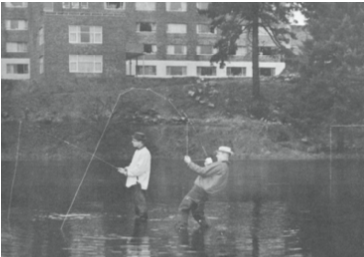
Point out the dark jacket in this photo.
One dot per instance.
(212, 178)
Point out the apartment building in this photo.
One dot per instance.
(16, 41)
(102, 42)
(177, 41)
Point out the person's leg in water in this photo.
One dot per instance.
(140, 203)
(198, 214)
(184, 211)
(191, 201)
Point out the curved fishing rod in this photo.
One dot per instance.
(97, 146)
(103, 132)
(181, 114)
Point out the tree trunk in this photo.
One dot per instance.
(255, 53)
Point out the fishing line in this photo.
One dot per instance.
(97, 145)
(180, 114)
(15, 168)
(186, 138)
(83, 150)
(190, 123)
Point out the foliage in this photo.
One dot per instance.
(243, 18)
(331, 88)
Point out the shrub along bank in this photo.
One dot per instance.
(69, 124)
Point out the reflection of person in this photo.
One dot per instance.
(212, 179)
(138, 173)
(138, 244)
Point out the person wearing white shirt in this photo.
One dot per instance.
(138, 174)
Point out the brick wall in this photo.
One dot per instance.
(57, 49)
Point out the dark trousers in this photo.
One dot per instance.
(140, 203)
(193, 202)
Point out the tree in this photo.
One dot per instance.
(237, 18)
(332, 77)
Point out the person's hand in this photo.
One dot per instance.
(187, 159)
(208, 161)
(122, 171)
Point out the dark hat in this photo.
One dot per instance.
(139, 136)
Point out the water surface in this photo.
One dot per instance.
(270, 208)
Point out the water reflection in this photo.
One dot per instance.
(275, 210)
(138, 244)
(256, 226)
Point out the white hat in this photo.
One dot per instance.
(225, 149)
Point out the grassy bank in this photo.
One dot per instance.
(69, 124)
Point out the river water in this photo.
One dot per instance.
(270, 208)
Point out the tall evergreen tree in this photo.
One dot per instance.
(237, 18)
(332, 77)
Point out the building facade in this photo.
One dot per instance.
(102, 42)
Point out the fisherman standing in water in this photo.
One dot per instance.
(212, 179)
(138, 174)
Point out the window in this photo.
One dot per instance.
(202, 6)
(41, 65)
(47, 6)
(146, 70)
(145, 6)
(85, 63)
(267, 50)
(150, 49)
(85, 35)
(16, 25)
(205, 29)
(75, 5)
(206, 71)
(266, 71)
(176, 7)
(66, 5)
(118, 6)
(84, 5)
(205, 50)
(16, 4)
(236, 71)
(14, 68)
(146, 27)
(176, 50)
(240, 51)
(41, 36)
(177, 70)
(14, 47)
(177, 28)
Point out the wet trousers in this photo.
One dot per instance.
(193, 202)
(140, 203)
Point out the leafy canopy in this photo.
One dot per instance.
(237, 18)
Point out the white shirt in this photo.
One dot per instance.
(139, 169)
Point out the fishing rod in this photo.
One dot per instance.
(15, 169)
(98, 143)
(93, 155)
(81, 149)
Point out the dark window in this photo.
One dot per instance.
(146, 70)
(266, 72)
(149, 48)
(236, 71)
(146, 26)
(265, 50)
(206, 71)
(115, 5)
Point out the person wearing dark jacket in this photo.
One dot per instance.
(211, 179)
